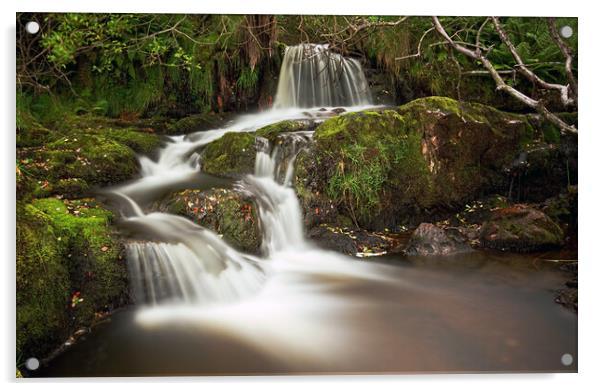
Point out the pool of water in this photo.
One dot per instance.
(467, 313)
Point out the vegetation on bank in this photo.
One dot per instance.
(144, 65)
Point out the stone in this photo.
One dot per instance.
(429, 239)
(521, 228)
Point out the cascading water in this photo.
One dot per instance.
(179, 261)
(279, 210)
(311, 75)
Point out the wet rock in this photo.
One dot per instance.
(332, 240)
(568, 295)
(226, 212)
(197, 123)
(233, 155)
(338, 110)
(521, 228)
(349, 241)
(429, 239)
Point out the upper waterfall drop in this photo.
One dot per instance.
(313, 76)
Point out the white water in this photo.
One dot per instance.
(311, 75)
(186, 273)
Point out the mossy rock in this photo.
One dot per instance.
(197, 123)
(140, 142)
(69, 268)
(85, 153)
(271, 132)
(85, 160)
(521, 228)
(42, 282)
(233, 155)
(430, 154)
(94, 254)
(224, 211)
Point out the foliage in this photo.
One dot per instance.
(124, 64)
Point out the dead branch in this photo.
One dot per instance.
(499, 81)
(522, 68)
(568, 54)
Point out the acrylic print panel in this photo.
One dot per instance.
(260, 194)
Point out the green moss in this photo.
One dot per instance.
(92, 158)
(430, 153)
(231, 155)
(224, 211)
(93, 253)
(140, 142)
(42, 281)
(196, 122)
(551, 133)
(272, 131)
(29, 130)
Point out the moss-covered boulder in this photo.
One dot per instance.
(75, 160)
(69, 269)
(271, 132)
(380, 167)
(197, 123)
(521, 228)
(42, 281)
(233, 155)
(229, 213)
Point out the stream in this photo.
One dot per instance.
(202, 307)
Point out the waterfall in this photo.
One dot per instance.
(279, 210)
(170, 258)
(313, 76)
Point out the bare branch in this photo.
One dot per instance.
(568, 54)
(522, 68)
(500, 83)
(419, 48)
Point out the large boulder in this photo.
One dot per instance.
(521, 228)
(381, 167)
(428, 239)
(42, 284)
(228, 213)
